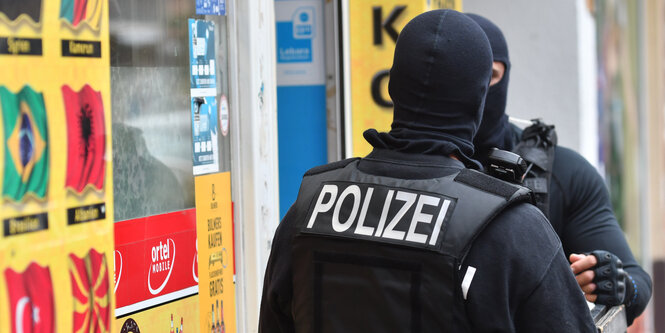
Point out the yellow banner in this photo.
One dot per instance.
(176, 317)
(214, 231)
(56, 182)
(373, 29)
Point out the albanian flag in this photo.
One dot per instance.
(76, 12)
(26, 148)
(90, 286)
(31, 301)
(86, 138)
(13, 9)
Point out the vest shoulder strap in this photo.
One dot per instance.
(536, 146)
(330, 166)
(480, 199)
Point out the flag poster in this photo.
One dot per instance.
(56, 187)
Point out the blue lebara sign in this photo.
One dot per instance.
(301, 93)
(211, 7)
(294, 37)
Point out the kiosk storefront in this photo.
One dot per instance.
(122, 164)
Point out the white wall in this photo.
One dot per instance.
(552, 52)
(254, 148)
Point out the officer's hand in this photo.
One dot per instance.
(581, 265)
(601, 277)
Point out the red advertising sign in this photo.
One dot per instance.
(155, 260)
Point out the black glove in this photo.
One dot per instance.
(610, 278)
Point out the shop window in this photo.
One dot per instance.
(151, 104)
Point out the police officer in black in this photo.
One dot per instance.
(410, 238)
(573, 195)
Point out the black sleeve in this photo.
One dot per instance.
(589, 223)
(523, 283)
(275, 314)
(556, 283)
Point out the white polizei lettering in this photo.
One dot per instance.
(384, 213)
(361, 228)
(420, 217)
(321, 207)
(439, 221)
(409, 199)
(336, 224)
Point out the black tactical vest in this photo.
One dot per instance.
(381, 254)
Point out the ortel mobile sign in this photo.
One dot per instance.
(155, 261)
(373, 27)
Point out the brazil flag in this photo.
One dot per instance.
(26, 143)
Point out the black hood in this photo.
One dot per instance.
(438, 82)
(495, 129)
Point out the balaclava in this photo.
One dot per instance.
(438, 82)
(495, 129)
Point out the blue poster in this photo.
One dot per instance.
(301, 93)
(204, 133)
(202, 54)
(203, 89)
(211, 7)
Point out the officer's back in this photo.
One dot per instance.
(408, 239)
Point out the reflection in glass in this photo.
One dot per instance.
(152, 135)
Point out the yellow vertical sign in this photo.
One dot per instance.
(56, 181)
(373, 29)
(214, 231)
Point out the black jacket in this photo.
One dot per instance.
(581, 214)
(522, 281)
(579, 205)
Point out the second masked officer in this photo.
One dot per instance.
(571, 193)
(408, 239)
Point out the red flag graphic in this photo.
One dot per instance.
(101, 286)
(31, 300)
(79, 11)
(86, 138)
(90, 288)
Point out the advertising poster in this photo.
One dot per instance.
(155, 261)
(56, 201)
(373, 29)
(300, 44)
(214, 221)
(176, 317)
(210, 7)
(301, 93)
(203, 92)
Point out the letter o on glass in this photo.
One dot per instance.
(336, 224)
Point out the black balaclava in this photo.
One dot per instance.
(438, 82)
(495, 129)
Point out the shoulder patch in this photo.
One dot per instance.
(330, 166)
(486, 183)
